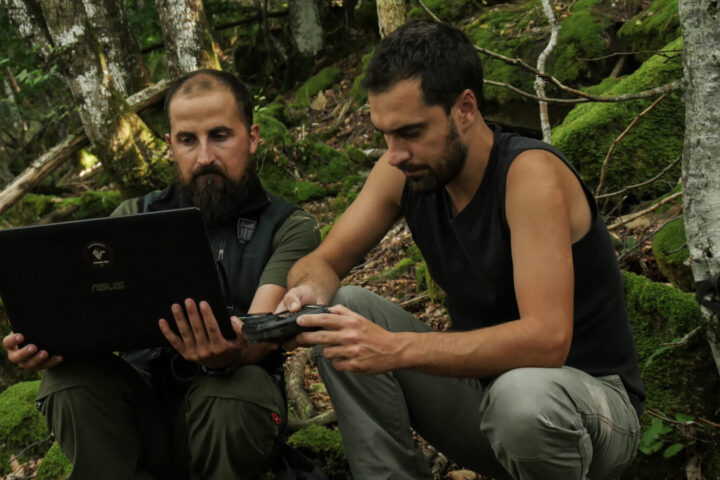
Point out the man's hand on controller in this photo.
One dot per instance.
(352, 342)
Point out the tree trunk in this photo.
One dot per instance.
(120, 46)
(391, 15)
(130, 153)
(187, 37)
(700, 21)
(306, 27)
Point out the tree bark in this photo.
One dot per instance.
(391, 15)
(121, 48)
(187, 37)
(130, 153)
(306, 27)
(700, 20)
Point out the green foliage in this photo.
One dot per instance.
(589, 130)
(55, 465)
(324, 79)
(658, 435)
(324, 446)
(670, 250)
(21, 424)
(651, 29)
(90, 204)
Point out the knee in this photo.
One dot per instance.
(354, 298)
(527, 409)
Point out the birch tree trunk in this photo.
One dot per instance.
(700, 20)
(121, 48)
(306, 27)
(187, 37)
(129, 151)
(391, 15)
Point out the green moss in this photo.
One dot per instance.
(445, 10)
(589, 130)
(400, 268)
(651, 29)
(677, 380)
(324, 446)
(325, 78)
(421, 277)
(672, 255)
(54, 466)
(21, 424)
(359, 94)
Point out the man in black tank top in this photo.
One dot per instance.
(538, 378)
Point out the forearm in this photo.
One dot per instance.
(482, 353)
(314, 272)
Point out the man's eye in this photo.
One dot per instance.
(409, 134)
(186, 140)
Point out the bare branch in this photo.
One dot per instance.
(630, 218)
(646, 238)
(542, 58)
(642, 184)
(676, 85)
(429, 12)
(620, 137)
(656, 52)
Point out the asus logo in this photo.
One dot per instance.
(107, 287)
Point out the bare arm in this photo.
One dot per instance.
(541, 212)
(316, 277)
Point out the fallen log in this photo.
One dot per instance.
(56, 156)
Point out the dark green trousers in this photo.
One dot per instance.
(112, 425)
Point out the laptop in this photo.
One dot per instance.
(100, 285)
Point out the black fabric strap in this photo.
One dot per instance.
(708, 293)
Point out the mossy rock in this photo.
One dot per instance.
(325, 78)
(520, 30)
(55, 465)
(403, 266)
(651, 29)
(21, 425)
(589, 130)
(325, 447)
(681, 380)
(670, 250)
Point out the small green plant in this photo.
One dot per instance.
(667, 437)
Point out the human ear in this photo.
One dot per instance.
(466, 109)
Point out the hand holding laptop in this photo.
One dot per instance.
(28, 357)
(200, 340)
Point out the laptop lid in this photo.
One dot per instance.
(101, 285)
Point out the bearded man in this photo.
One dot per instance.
(207, 407)
(538, 377)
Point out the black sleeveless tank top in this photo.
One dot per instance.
(469, 256)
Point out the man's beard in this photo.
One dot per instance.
(450, 166)
(216, 195)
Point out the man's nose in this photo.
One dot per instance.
(398, 152)
(205, 154)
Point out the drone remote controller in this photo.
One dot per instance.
(278, 327)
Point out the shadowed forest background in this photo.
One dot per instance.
(82, 128)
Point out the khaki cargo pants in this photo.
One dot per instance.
(528, 423)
